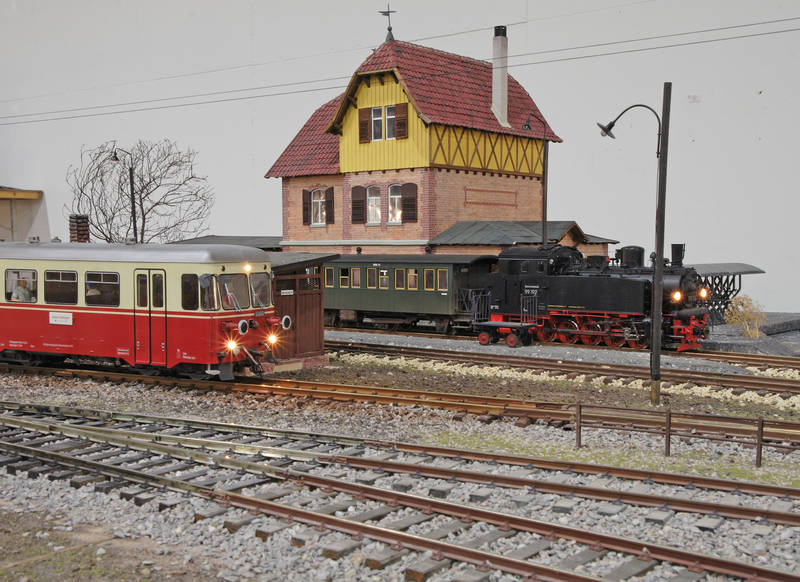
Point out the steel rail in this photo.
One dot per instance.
(593, 369)
(96, 434)
(460, 454)
(637, 548)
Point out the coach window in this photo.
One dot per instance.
(208, 292)
(21, 285)
(399, 278)
(234, 291)
(371, 277)
(384, 279)
(373, 205)
(413, 279)
(344, 277)
(355, 277)
(189, 300)
(61, 287)
(157, 282)
(103, 289)
(441, 282)
(262, 289)
(329, 281)
(430, 281)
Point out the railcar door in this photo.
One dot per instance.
(150, 316)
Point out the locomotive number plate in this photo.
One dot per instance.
(60, 318)
(531, 291)
(287, 291)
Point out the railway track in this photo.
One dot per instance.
(763, 361)
(748, 432)
(592, 369)
(384, 491)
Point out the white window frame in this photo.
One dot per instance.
(396, 199)
(373, 205)
(390, 123)
(318, 207)
(376, 115)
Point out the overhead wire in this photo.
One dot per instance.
(299, 91)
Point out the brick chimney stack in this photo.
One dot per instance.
(500, 76)
(79, 228)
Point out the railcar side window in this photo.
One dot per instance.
(208, 292)
(372, 277)
(262, 291)
(189, 300)
(413, 279)
(430, 281)
(61, 287)
(399, 278)
(234, 291)
(344, 277)
(103, 289)
(157, 283)
(355, 277)
(21, 285)
(441, 279)
(329, 277)
(141, 290)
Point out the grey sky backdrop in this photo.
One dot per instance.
(731, 192)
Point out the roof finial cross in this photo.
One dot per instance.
(388, 14)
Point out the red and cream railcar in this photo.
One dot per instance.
(190, 309)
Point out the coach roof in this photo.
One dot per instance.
(135, 253)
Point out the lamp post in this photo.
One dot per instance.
(658, 269)
(545, 154)
(115, 158)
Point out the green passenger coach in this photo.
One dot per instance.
(394, 291)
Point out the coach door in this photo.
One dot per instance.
(150, 317)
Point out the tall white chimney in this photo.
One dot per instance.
(500, 76)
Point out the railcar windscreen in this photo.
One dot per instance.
(234, 291)
(260, 284)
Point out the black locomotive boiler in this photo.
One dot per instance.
(554, 293)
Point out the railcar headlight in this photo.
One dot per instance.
(272, 339)
(231, 345)
(247, 268)
(677, 296)
(703, 293)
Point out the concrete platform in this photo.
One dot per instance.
(781, 337)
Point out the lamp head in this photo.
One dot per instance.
(114, 156)
(606, 129)
(527, 125)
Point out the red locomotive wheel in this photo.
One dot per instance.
(591, 334)
(614, 341)
(545, 332)
(638, 344)
(512, 340)
(569, 335)
(484, 338)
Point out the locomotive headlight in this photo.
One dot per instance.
(676, 296)
(703, 293)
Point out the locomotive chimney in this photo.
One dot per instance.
(500, 76)
(678, 251)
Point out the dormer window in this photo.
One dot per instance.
(377, 123)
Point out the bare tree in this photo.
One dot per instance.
(171, 201)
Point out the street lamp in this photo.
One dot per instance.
(545, 154)
(658, 269)
(115, 158)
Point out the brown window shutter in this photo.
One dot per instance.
(306, 206)
(401, 121)
(359, 205)
(408, 196)
(329, 206)
(364, 122)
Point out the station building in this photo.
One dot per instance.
(425, 152)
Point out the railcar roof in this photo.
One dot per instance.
(426, 259)
(139, 253)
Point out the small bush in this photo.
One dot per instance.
(747, 314)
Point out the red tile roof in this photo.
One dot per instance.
(312, 152)
(445, 88)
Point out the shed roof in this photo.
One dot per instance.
(511, 232)
(264, 243)
(711, 269)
